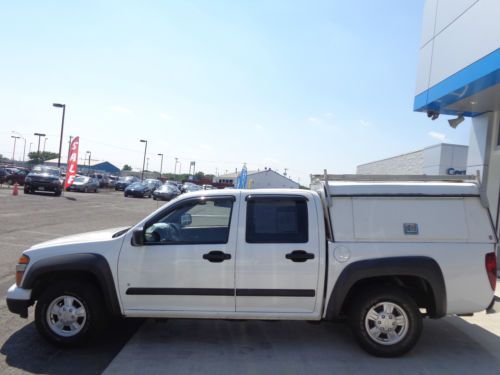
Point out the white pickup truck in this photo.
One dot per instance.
(381, 254)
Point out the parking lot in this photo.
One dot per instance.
(453, 345)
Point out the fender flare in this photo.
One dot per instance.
(419, 266)
(94, 264)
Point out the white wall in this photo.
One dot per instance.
(270, 179)
(433, 160)
(455, 33)
(484, 156)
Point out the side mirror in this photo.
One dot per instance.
(138, 237)
(186, 219)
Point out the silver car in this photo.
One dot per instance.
(84, 184)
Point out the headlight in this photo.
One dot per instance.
(21, 267)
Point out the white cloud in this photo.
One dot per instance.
(439, 136)
(165, 116)
(365, 124)
(121, 109)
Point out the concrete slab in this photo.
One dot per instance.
(448, 346)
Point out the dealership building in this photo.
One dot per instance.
(440, 159)
(259, 180)
(459, 75)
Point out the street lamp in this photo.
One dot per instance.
(90, 155)
(175, 168)
(24, 139)
(161, 163)
(63, 106)
(144, 160)
(14, 149)
(44, 142)
(39, 135)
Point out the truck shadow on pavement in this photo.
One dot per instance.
(28, 351)
(288, 347)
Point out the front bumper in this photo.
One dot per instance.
(135, 194)
(18, 300)
(41, 185)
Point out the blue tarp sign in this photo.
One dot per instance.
(241, 182)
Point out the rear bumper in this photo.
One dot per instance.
(18, 300)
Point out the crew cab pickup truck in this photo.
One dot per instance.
(381, 255)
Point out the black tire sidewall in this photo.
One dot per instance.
(87, 294)
(368, 299)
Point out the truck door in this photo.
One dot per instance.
(277, 260)
(187, 260)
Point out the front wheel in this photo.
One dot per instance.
(69, 313)
(385, 321)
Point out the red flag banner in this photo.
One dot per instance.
(72, 163)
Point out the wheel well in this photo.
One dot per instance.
(417, 288)
(46, 279)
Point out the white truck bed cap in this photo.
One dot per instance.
(410, 188)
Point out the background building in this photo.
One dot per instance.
(95, 166)
(459, 74)
(440, 159)
(260, 180)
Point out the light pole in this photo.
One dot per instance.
(24, 139)
(14, 149)
(161, 163)
(144, 160)
(90, 155)
(175, 168)
(44, 142)
(39, 135)
(29, 150)
(63, 106)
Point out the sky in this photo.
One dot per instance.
(301, 85)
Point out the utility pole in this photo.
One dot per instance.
(44, 142)
(63, 106)
(175, 167)
(14, 150)
(144, 159)
(161, 163)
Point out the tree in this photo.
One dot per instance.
(126, 167)
(36, 158)
(3, 159)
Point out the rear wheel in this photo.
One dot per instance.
(57, 193)
(69, 313)
(385, 321)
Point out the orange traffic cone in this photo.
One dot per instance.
(15, 191)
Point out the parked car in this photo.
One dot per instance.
(138, 189)
(153, 183)
(123, 182)
(112, 181)
(379, 254)
(14, 175)
(84, 184)
(102, 178)
(166, 192)
(190, 188)
(43, 178)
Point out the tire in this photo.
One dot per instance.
(27, 191)
(57, 193)
(82, 305)
(385, 321)
(125, 195)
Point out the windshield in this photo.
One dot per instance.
(81, 179)
(136, 185)
(44, 169)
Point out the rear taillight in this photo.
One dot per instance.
(491, 269)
